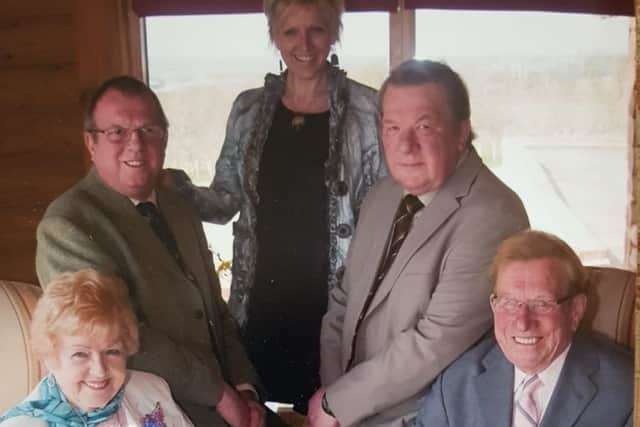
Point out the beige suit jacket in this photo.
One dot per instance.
(433, 303)
(93, 226)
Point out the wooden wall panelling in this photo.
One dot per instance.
(107, 41)
(39, 89)
(636, 210)
(40, 142)
(19, 8)
(36, 40)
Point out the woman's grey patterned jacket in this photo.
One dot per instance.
(354, 163)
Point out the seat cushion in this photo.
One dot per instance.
(20, 370)
(611, 295)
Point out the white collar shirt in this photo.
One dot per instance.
(549, 378)
(153, 198)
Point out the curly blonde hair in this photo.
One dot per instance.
(332, 9)
(83, 302)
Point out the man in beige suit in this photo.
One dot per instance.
(414, 293)
(117, 220)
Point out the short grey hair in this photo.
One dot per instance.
(416, 72)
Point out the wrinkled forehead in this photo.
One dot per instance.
(540, 276)
(96, 331)
(429, 96)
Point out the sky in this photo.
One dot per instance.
(438, 33)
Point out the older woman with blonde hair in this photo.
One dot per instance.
(299, 155)
(84, 330)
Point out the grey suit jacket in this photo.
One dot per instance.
(91, 225)
(433, 303)
(595, 389)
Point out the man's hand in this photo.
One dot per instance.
(233, 408)
(317, 416)
(257, 412)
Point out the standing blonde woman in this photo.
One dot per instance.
(84, 330)
(299, 155)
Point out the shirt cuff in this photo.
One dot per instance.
(248, 387)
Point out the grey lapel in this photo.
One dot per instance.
(493, 390)
(574, 390)
(385, 212)
(444, 204)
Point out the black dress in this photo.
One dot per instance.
(289, 296)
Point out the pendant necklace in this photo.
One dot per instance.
(297, 121)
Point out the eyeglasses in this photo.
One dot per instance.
(118, 134)
(535, 306)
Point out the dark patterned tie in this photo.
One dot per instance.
(402, 221)
(160, 228)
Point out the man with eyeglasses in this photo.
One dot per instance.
(117, 220)
(535, 370)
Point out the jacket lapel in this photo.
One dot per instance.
(493, 390)
(574, 389)
(187, 239)
(133, 226)
(385, 211)
(446, 201)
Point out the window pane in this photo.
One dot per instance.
(550, 96)
(365, 58)
(199, 64)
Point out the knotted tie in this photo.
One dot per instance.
(526, 412)
(160, 228)
(401, 224)
(402, 221)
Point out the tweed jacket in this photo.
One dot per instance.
(354, 163)
(595, 389)
(432, 304)
(187, 335)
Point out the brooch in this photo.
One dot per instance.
(155, 418)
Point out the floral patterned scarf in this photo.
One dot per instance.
(54, 408)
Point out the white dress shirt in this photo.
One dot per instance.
(548, 377)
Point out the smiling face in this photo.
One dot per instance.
(130, 167)
(303, 36)
(529, 341)
(422, 141)
(88, 369)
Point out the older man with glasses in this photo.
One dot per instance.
(118, 220)
(535, 370)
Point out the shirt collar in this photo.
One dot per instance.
(548, 376)
(426, 198)
(153, 198)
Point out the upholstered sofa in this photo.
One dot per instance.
(611, 294)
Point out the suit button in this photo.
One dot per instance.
(341, 188)
(198, 314)
(191, 277)
(344, 230)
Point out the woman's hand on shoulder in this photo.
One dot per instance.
(167, 180)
